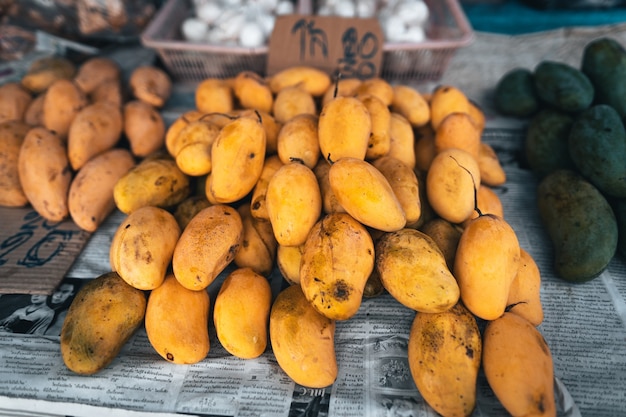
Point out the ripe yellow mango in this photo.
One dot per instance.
(207, 245)
(102, 317)
(518, 365)
(258, 205)
(337, 259)
(444, 355)
(237, 157)
(446, 99)
(298, 140)
(292, 101)
(177, 321)
(311, 79)
(405, 185)
(408, 102)
(241, 313)
(143, 245)
(413, 270)
(364, 192)
(258, 245)
(525, 292)
(344, 129)
(303, 340)
(451, 181)
(294, 203)
(487, 260)
(253, 92)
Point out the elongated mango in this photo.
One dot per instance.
(303, 340)
(241, 313)
(487, 260)
(413, 270)
(143, 245)
(344, 129)
(177, 322)
(237, 157)
(518, 365)
(102, 317)
(294, 203)
(444, 355)
(337, 259)
(207, 245)
(364, 192)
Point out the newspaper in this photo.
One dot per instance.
(584, 325)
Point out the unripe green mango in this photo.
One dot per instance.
(563, 86)
(515, 93)
(597, 145)
(580, 223)
(546, 146)
(604, 63)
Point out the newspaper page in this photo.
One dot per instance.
(584, 325)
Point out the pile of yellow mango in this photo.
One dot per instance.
(350, 188)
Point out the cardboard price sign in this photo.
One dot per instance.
(352, 46)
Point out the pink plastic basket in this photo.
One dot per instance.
(447, 31)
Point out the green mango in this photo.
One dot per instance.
(597, 145)
(546, 145)
(604, 63)
(515, 93)
(562, 86)
(580, 223)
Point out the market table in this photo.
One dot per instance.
(584, 325)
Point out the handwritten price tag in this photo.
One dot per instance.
(352, 46)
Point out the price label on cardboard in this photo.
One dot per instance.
(351, 46)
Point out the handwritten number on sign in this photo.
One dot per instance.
(310, 38)
(42, 251)
(357, 52)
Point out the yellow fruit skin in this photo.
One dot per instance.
(444, 355)
(177, 322)
(525, 292)
(90, 197)
(12, 134)
(102, 317)
(337, 259)
(364, 192)
(214, 95)
(303, 340)
(207, 245)
(491, 171)
(402, 144)
(258, 245)
(450, 182)
(310, 79)
(258, 204)
(253, 92)
(288, 261)
(405, 185)
(518, 365)
(44, 173)
(488, 202)
(294, 203)
(241, 313)
(298, 140)
(446, 235)
(344, 129)
(457, 130)
(143, 245)
(292, 101)
(329, 200)
(152, 182)
(413, 270)
(487, 260)
(237, 157)
(380, 138)
(411, 104)
(447, 99)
